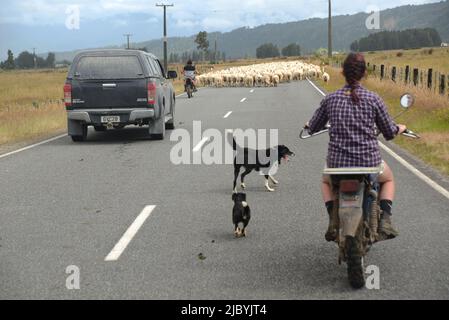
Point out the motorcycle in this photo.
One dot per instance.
(356, 208)
(188, 84)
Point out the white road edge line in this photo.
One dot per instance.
(32, 146)
(129, 234)
(243, 100)
(227, 114)
(200, 144)
(45, 141)
(402, 161)
(418, 173)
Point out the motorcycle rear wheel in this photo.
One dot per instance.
(189, 91)
(356, 275)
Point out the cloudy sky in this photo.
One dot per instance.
(41, 24)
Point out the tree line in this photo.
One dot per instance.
(27, 60)
(269, 50)
(392, 40)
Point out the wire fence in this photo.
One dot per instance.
(433, 80)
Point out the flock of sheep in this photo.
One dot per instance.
(262, 75)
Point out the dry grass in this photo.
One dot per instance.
(30, 104)
(429, 117)
(425, 58)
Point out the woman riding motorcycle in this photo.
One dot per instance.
(190, 72)
(353, 113)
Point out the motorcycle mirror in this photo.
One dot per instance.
(407, 100)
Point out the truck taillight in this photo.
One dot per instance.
(151, 93)
(68, 95)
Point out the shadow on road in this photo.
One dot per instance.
(119, 136)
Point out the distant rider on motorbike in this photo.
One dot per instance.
(190, 72)
(353, 113)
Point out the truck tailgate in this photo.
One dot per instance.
(97, 94)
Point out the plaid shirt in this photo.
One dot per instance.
(353, 141)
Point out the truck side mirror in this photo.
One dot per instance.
(172, 75)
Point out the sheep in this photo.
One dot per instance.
(326, 77)
(264, 74)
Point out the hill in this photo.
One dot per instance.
(311, 34)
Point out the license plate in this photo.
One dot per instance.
(107, 119)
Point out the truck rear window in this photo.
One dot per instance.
(109, 67)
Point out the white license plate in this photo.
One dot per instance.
(107, 119)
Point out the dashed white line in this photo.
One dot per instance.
(243, 100)
(227, 114)
(252, 90)
(401, 160)
(129, 234)
(200, 144)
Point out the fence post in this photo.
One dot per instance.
(407, 74)
(429, 78)
(415, 76)
(393, 74)
(382, 71)
(437, 77)
(443, 84)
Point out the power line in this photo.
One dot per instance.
(128, 35)
(165, 32)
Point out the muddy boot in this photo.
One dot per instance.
(332, 229)
(386, 230)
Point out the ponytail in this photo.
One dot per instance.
(354, 69)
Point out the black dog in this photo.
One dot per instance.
(240, 214)
(259, 160)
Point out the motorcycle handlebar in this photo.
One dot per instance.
(307, 136)
(302, 135)
(410, 134)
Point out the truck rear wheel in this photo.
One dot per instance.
(82, 137)
(157, 129)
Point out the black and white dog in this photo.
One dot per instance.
(241, 213)
(259, 160)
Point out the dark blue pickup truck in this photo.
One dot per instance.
(113, 88)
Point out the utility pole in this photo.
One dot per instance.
(329, 43)
(34, 58)
(215, 53)
(216, 40)
(128, 35)
(165, 32)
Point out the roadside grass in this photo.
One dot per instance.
(31, 104)
(429, 117)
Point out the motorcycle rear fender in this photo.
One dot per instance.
(350, 210)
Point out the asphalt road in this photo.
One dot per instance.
(68, 204)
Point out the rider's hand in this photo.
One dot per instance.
(402, 128)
